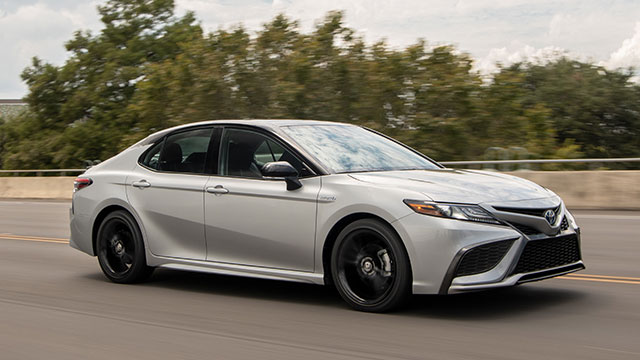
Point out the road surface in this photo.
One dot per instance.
(55, 304)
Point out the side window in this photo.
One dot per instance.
(185, 152)
(268, 151)
(152, 156)
(245, 152)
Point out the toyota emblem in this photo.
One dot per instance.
(550, 216)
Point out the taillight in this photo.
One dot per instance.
(81, 183)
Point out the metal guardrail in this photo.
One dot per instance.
(39, 172)
(539, 161)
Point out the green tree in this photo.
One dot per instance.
(86, 97)
(596, 108)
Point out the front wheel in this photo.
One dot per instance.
(121, 250)
(370, 266)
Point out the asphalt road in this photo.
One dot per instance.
(55, 304)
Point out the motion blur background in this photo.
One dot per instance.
(457, 80)
(134, 67)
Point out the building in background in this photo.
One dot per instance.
(9, 107)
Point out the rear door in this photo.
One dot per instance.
(167, 191)
(251, 220)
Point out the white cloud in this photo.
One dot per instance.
(505, 57)
(594, 32)
(37, 30)
(628, 54)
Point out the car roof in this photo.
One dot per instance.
(275, 122)
(269, 124)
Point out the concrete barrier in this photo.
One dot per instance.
(578, 189)
(616, 190)
(47, 187)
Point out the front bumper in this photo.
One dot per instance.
(437, 247)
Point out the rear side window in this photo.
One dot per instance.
(152, 156)
(184, 152)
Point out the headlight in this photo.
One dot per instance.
(453, 211)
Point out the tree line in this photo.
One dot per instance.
(148, 69)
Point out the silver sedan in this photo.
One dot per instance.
(318, 202)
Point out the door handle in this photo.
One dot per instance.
(141, 184)
(218, 189)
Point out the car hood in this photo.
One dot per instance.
(459, 186)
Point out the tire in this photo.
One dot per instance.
(370, 267)
(120, 249)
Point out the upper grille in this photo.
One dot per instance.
(483, 258)
(529, 211)
(539, 212)
(548, 253)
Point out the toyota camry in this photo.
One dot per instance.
(318, 202)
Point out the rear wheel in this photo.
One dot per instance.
(121, 250)
(370, 267)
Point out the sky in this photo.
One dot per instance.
(506, 31)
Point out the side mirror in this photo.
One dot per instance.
(282, 169)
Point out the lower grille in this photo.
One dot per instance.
(483, 258)
(540, 275)
(548, 253)
(527, 230)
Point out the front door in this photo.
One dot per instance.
(251, 220)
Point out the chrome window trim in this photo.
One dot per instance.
(163, 139)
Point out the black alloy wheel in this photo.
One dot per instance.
(370, 266)
(121, 250)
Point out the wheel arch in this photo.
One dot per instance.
(332, 236)
(100, 217)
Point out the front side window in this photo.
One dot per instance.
(348, 148)
(245, 152)
(185, 151)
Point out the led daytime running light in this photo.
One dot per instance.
(453, 211)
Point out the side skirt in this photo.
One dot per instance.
(238, 270)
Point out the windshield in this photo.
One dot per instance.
(347, 148)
